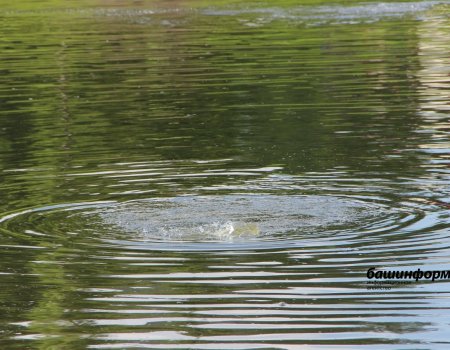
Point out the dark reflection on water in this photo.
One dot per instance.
(183, 176)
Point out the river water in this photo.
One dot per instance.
(194, 175)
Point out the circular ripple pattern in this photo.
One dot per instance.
(221, 222)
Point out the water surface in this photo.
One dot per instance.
(197, 175)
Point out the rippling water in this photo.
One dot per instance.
(194, 175)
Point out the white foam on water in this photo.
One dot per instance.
(234, 217)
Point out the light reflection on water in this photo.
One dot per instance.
(181, 176)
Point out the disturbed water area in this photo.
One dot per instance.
(228, 217)
(222, 176)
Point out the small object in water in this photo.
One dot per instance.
(245, 229)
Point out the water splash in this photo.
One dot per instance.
(230, 217)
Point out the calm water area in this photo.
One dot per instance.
(223, 174)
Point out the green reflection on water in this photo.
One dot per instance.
(85, 91)
(88, 98)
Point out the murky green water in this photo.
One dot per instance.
(199, 175)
